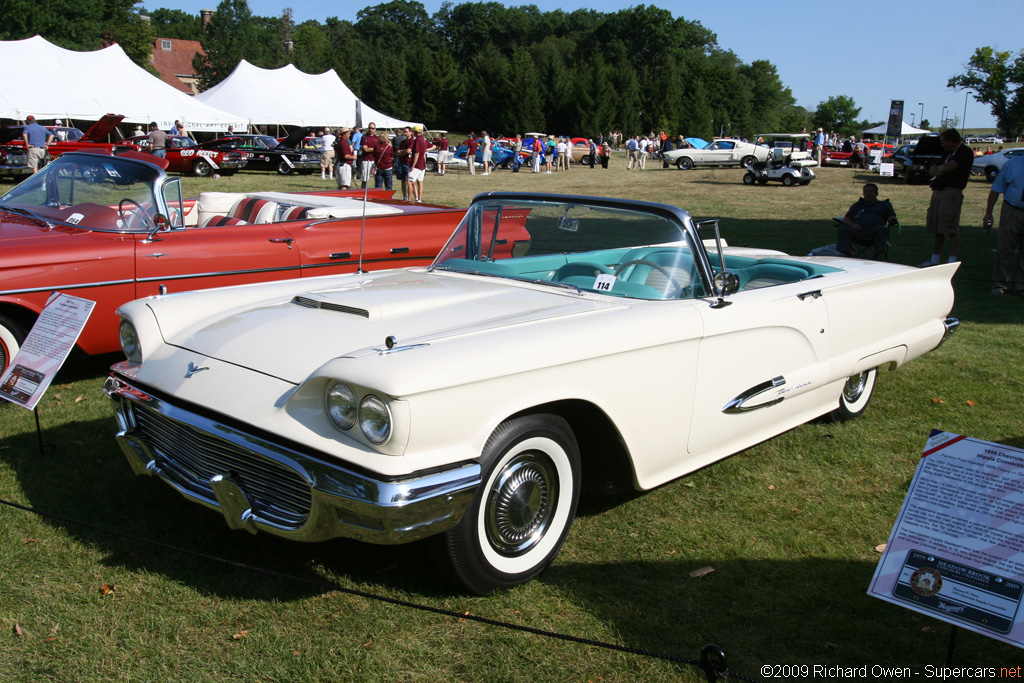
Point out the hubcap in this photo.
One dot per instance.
(854, 387)
(520, 503)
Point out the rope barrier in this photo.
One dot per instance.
(712, 661)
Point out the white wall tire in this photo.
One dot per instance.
(856, 394)
(11, 337)
(517, 522)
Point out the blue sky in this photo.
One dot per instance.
(872, 50)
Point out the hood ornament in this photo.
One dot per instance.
(193, 369)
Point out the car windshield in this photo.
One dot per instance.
(616, 248)
(91, 191)
(260, 141)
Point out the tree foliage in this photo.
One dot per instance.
(838, 114)
(473, 64)
(997, 79)
(77, 25)
(229, 38)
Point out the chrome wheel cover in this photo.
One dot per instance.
(521, 503)
(854, 387)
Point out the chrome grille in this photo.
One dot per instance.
(191, 457)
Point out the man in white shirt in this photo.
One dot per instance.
(563, 155)
(486, 146)
(327, 154)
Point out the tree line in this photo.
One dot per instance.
(483, 65)
(480, 65)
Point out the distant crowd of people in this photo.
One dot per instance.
(361, 154)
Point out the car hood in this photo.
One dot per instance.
(433, 318)
(294, 138)
(24, 231)
(99, 131)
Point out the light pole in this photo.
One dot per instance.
(942, 123)
(963, 121)
(921, 120)
(912, 115)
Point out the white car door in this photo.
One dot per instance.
(720, 152)
(759, 361)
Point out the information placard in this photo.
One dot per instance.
(956, 552)
(45, 348)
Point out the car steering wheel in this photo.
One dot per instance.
(138, 213)
(679, 289)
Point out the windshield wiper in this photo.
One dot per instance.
(31, 214)
(552, 283)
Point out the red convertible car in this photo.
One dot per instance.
(116, 228)
(185, 155)
(73, 140)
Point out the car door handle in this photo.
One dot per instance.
(282, 240)
(738, 404)
(816, 294)
(340, 255)
(400, 250)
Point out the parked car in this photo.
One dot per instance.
(185, 155)
(556, 344)
(721, 152)
(113, 229)
(913, 161)
(92, 140)
(265, 153)
(989, 165)
(14, 163)
(835, 156)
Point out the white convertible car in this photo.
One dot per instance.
(557, 345)
(721, 152)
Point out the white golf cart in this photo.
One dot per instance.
(789, 161)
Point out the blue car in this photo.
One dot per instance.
(500, 154)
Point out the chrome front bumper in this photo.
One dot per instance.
(260, 485)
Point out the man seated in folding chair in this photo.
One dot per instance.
(867, 223)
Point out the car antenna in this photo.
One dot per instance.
(362, 228)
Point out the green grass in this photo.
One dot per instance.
(790, 526)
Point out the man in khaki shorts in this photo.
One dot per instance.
(948, 183)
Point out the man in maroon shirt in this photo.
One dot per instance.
(950, 179)
(345, 156)
(418, 165)
(471, 146)
(384, 157)
(368, 147)
(403, 147)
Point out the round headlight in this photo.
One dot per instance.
(130, 342)
(375, 419)
(341, 406)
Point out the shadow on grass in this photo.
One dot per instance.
(757, 610)
(88, 487)
(761, 611)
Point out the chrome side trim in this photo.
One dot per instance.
(737, 405)
(54, 288)
(342, 501)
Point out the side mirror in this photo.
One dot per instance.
(727, 282)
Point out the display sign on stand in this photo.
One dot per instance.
(44, 350)
(956, 552)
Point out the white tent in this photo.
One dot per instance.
(289, 97)
(907, 130)
(50, 82)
